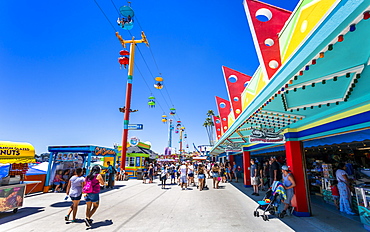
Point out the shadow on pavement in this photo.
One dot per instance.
(100, 224)
(109, 189)
(22, 212)
(66, 203)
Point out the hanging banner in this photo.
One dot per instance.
(266, 135)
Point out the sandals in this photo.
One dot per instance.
(88, 222)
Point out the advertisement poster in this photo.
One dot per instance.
(11, 198)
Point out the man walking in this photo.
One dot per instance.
(254, 178)
(110, 171)
(183, 170)
(275, 172)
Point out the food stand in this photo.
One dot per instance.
(14, 159)
(70, 157)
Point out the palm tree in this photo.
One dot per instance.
(208, 124)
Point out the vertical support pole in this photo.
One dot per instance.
(181, 131)
(246, 167)
(48, 174)
(170, 128)
(126, 117)
(88, 163)
(297, 164)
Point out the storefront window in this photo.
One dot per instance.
(137, 161)
(132, 162)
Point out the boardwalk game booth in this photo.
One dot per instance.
(71, 157)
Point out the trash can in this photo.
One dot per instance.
(139, 174)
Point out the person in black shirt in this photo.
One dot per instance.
(275, 171)
(266, 173)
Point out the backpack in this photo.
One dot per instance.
(88, 188)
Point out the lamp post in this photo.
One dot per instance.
(126, 116)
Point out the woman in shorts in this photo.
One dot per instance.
(92, 199)
(74, 191)
(201, 176)
(215, 175)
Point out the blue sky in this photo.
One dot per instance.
(61, 83)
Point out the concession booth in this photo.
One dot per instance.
(72, 157)
(14, 160)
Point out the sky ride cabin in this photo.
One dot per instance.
(310, 92)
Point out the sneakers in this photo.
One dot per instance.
(253, 193)
(256, 194)
(88, 222)
(66, 217)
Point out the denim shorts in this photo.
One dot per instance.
(76, 198)
(57, 183)
(201, 176)
(93, 197)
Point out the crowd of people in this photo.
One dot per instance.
(183, 173)
(263, 174)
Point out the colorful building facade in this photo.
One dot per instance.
(311, 88)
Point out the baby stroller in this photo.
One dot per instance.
(271, 202)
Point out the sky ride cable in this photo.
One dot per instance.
(155, 62)
(105, 16)
(147, 85)
(176, 117)
(119, 13)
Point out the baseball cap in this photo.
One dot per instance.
(284, 167)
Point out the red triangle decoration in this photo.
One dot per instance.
(223, 107)
(236, 82)
(265, 22)
(217, 123)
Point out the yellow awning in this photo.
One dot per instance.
(13, 152)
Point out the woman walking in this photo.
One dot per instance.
(201, 176)
(92, 188)
(215, 175)
(74, 191)
(344, 191)
(151, 173)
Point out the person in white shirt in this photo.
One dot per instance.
(344, 190)
(183, 170)
(74, 191)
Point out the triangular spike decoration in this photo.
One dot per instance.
(223, 107)
(265, 22)
(217, 123)
(236, 82)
